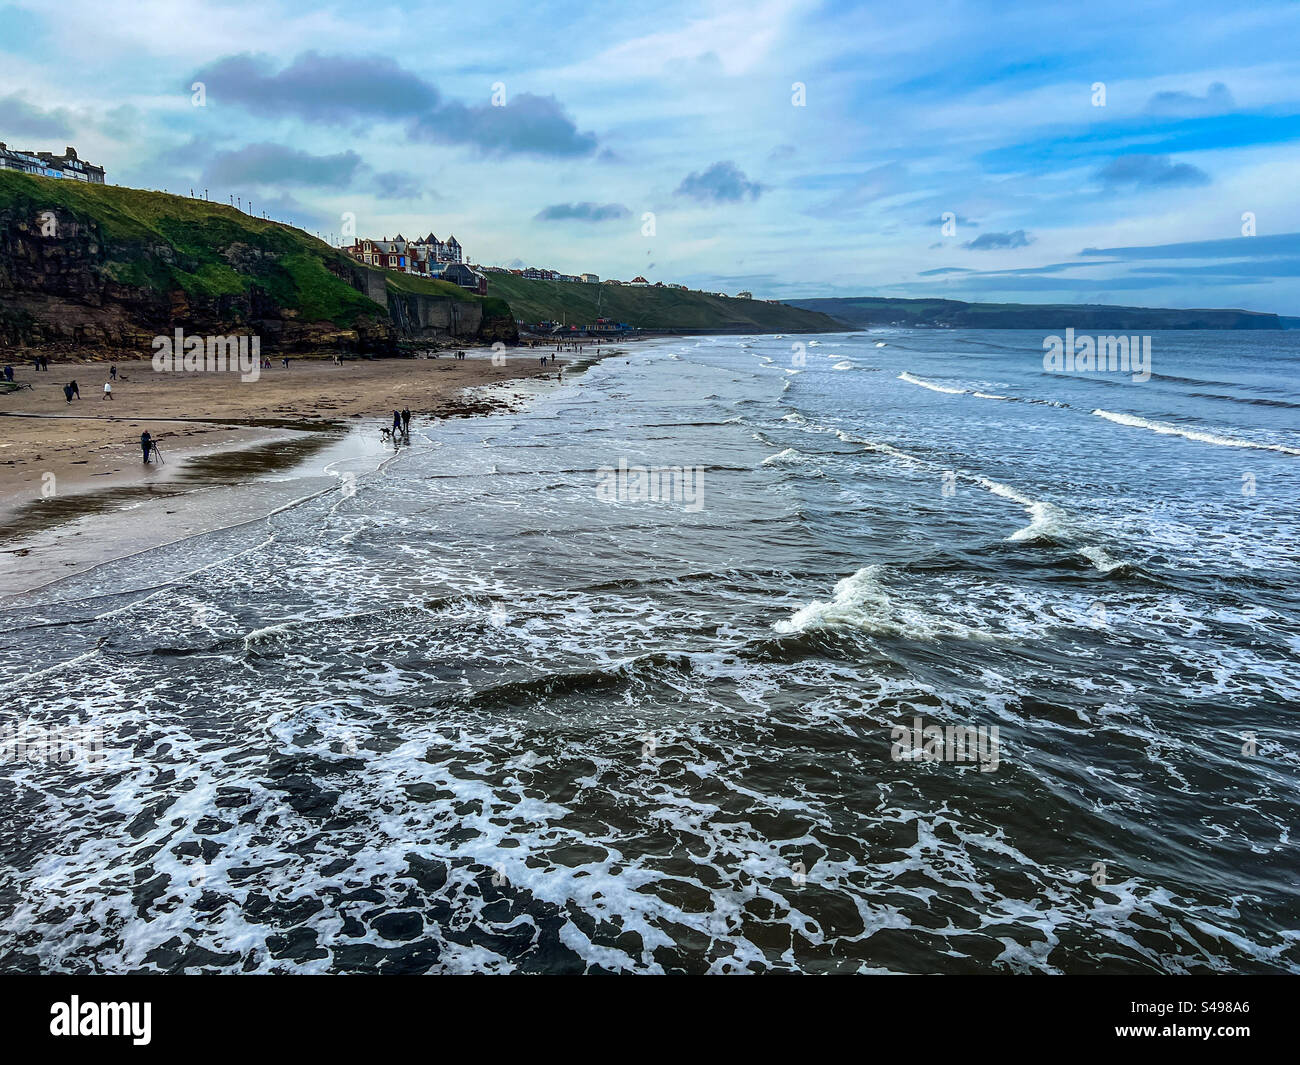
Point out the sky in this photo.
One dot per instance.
(1142, 153)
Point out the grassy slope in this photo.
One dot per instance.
(651, 308)
(198, 231)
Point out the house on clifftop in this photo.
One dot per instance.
(47, 164)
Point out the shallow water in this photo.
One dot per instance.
(474, 711)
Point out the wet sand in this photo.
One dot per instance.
(74, 491)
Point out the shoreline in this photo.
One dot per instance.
(71, 500)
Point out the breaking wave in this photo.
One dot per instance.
(1165, 429)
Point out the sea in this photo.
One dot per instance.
(891, 651)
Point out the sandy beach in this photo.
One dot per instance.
(93, 439)
(71, 471)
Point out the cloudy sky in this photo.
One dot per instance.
(1083, 152)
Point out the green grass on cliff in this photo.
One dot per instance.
(652, 308)
(214, 249)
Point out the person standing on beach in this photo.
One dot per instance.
(112, 372)
(67, 393)
(397, 421)
(9, 373)
(108, 391)
(406, 421)
(146, 444)
(72, 387)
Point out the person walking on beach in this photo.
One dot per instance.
(72, 387)
(9, 373)
(397, 421)
(112, 372)
(406, 421)
(67, 393)
(108, 391)
(146, 444)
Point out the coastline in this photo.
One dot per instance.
(75, 494)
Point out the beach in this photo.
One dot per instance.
(928, 667)
(63, 462)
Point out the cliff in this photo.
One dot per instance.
(101, 270)
(668, 310)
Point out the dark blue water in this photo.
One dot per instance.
(483, 713)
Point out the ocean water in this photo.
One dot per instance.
(488, 707)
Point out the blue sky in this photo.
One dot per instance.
(983, 113)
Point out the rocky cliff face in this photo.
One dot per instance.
(65, 286)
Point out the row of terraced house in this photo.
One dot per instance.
(423, 257)
(47, 164)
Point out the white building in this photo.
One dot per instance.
(46, 164)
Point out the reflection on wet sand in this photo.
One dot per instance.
(200, 471)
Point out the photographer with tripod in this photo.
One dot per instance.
(149, 444)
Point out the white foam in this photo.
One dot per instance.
(862, 602)
(1100, 559)
(1005, 491)
(845, 365)
(931, 385)
(1165, 429)
(1048, 523)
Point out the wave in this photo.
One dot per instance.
(1253, 402)
(1165, 429)
(956, 391)
(931, 385)
(862, 602)
(845, 365)
(910, 379)
(1190, 380)
(1101, 560)
(1047, 522)
(1005, 491)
